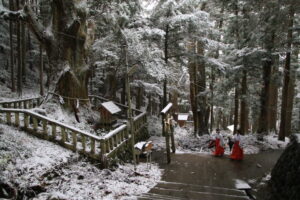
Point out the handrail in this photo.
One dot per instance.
(109, 144)
(19, 103)
(50, 120)
(115, 131)
(18, 100)
(68, 137)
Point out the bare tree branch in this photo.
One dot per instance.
(27, 15)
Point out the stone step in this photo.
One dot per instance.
(180, 191)
(196, 195)
(200, 188)
(151, 196)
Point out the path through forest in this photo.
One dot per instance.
(200, 176)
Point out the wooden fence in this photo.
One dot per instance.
(97, 148)
(22, 103)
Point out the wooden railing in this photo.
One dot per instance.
(114, 140)
(139, 122)
(48, 129)
(98, 148)
(22, 103)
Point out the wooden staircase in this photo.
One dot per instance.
(17, 113)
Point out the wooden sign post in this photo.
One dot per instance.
(166, 129)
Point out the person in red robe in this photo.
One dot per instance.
(237, 151)
(219, 144)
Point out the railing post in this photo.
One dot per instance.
(107, 146)
(26, 121)
(83, 142)
(35, 124)
(92, 146)
(53, 131)
(15, 104)
(25, 104)
(63, 134)
(8, 118)
(74, 137)
(17, 119)
(102, 153)
(45, 130)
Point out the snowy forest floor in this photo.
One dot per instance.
(186, 142)
(42, 170)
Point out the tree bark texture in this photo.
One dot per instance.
(193, 87)
(203, 111)
(236, 110)
(244, 109)
(12, 75)
(287, 93)
(66, 43)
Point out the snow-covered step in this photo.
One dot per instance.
(151, 196)
(200, 188)
(178, 191)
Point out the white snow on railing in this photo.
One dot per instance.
(51, 121)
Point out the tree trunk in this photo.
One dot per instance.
(19, 50)
(23, 41)
(123, 93)
(212, 101)
(236, 110)
(66, 43)
(12, 75)
(193, 87)
(201, 101)
(41, 71)
(273, 98)
(244, 109)
(287, 93)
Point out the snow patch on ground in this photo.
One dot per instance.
(186, 142)
(24, 158)
(84, 181)
(28, 161)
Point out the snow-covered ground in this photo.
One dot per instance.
(186, 142)
(27, 162)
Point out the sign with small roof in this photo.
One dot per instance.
(108, 114)
(111, 107)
